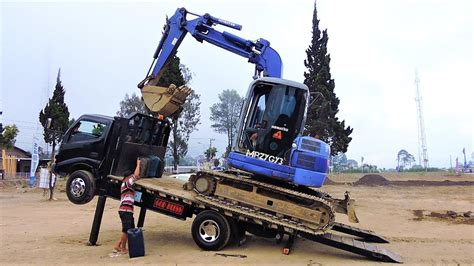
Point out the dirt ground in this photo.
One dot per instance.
(34, 230)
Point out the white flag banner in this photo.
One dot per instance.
(34, 161)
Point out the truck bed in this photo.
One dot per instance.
(165, 185)
(166, 195)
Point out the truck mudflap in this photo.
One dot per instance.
(354, 246)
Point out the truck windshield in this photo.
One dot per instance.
(85, 130)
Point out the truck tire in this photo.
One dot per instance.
(80, 187)
(211, 230)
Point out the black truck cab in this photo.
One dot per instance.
(96, 146)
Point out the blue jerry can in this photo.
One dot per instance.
(136, 244)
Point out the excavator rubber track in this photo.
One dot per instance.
(344, 206)
(273, 207)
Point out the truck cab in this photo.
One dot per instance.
(95, 146)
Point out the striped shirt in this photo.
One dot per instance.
(127, 194)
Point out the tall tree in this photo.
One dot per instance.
(56, 110)
(131, 104)
(225, 115)
(322, 121)
(8, 136)
(185, 122)
(405, 158)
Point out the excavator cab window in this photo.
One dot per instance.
(275, 119)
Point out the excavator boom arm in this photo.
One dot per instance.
(169, 100)
(267, 61)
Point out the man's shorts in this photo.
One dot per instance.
(127, 220)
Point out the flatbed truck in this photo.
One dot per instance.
(97, 149)
(168, 196)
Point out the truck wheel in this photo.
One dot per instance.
(80, 187)
(211, 230)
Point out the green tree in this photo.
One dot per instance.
(185, 122)
(225, 115)
(405, 158)
(339, 161)
(131, 104)
(322, 121)
(57, 111)
(8, 136)
(210, 153)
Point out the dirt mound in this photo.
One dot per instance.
(445, 216)
(329, 182)
(432, 183)
(372, 180)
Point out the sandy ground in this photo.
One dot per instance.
(34, 230)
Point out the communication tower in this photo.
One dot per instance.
(422, 148)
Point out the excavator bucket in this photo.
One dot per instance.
(165, 101)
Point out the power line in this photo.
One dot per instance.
(21, 121)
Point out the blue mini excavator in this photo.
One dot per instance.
(273, 166)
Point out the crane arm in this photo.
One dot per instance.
(267, 61)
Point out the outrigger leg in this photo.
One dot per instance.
(141, 217)
(289, 244)
(99, 211)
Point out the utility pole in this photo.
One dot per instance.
(422, 147)
(210, 146)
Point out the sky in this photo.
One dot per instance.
(105, 49)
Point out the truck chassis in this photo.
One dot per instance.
(168, 196)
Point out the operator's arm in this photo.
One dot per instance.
(136, 173)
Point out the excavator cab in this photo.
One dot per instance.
(274, 118)
(270, 134)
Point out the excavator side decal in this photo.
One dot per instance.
(265, 157)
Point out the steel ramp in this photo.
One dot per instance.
(366, 235)
(355, 246)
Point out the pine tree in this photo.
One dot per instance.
(322, 121)
(56, 110)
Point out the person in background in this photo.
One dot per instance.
(127, 199)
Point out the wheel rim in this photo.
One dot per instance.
(209, 231)
(78, 187)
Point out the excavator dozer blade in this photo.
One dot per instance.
(346, 206)
(351, 211)
(165, 101)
